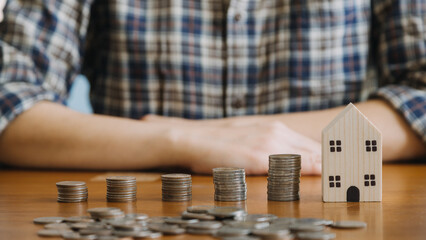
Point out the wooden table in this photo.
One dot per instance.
(25, 195)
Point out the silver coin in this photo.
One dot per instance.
(241, 238)
(258, 217)
(59, 226)
(197, 231)
(137, 216)
(225, 211)
(246, 224)
(316, 235)
(147, 235)
(77, 236)
(349, 224)
(51, 232)
(75, 219)
(303, 227)
(206, 225)
(227, 231)
(129, 227)
(180, 221)
(269, 233)
(199, 216)
(166, 229)
(46, 220)
(315, 221)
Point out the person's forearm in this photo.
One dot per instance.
(51, 136)
(399, 140)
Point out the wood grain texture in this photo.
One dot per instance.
(25, 195)
(345, 156)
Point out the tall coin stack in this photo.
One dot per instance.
(284, 177)
(229, 184)
(121, 189)
(176, 187)
(72, 191)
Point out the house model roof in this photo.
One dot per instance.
(348, 108)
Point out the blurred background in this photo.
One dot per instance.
(79, 96)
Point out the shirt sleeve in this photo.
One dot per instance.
(399, 39)
(40, 52)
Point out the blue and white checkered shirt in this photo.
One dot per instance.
(214, 58)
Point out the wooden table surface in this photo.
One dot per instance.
(25, 195)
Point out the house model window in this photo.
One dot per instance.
(369, 180)
(335, 146)
(334, 181)
(371, 146)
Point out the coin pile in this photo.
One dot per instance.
(121, 189)
(284, 177)
(229, 184)
(105, 213)
(176, 187)
(227, 223)
(72, 191)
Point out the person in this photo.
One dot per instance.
(201, 84)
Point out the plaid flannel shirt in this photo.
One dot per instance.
(207, 59)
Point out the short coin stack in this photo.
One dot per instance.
(72, 191)
(284, 177)
(176, 187)
(229, 184)
(121, 189)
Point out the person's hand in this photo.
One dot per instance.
(237, 142)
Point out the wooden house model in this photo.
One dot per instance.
(351, 159)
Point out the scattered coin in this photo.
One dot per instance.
(121, 189)
(268, 233)
(246, 224)
(241, 238)
(197, 231)
(284, 177)
(147, 235)
(206, 225)
(226, 212)
(47, 220)
(167, 229)
(199, 216)
(180, 221)
(75, 219)
(176, 187)
(304, 227)
(51, 232)
(349, 224)
(106, 213)
(314, 221)
(228, 231)
(59, 226)
(316, 235)
(137, 216)
(229, 184)
(258, 218)
(199, 209)
(232, 223)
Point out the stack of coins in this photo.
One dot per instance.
(176, 187)
(284, 177)
(229, 184)
(72, 191)
(121, 189)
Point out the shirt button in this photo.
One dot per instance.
(237, 103)
(237, 17)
